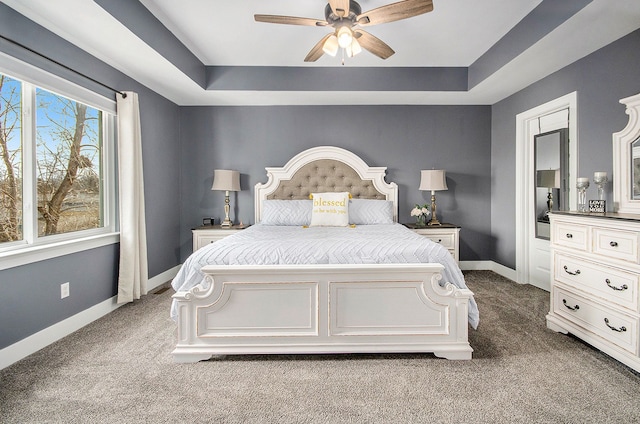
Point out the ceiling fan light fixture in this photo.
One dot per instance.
(345, 37)
(355, 48)
(331, 46)
(344, 16)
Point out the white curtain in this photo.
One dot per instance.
(132, 281)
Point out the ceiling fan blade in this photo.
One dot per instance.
(395, 12)
(289, 20)
(340, 7)
(317, 52)
(373, 44)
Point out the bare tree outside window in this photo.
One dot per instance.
(68, 156)
(11, 159)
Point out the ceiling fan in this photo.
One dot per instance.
(346, 16)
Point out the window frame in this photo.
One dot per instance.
(33, 248)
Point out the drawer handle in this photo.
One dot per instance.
(619, 330)
(613, 243)
(577, 272)
(569, 235)
(575, 308)
(622, 288)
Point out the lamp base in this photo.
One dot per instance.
(434, 220)
(227, 222)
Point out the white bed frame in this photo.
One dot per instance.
(311, 309)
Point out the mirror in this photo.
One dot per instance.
(626, 161)
(552, 173)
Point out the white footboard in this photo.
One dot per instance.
(255, 309)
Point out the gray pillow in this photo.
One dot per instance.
(286, 212)
(370, 211)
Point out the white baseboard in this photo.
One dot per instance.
(162, 278)
(43, 338)
(489, 266)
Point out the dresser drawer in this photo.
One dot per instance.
(614, 285)
(570, 235)
(615, 327)
(618, 244)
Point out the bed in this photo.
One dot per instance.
(295, 284)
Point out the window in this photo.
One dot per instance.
(56, 167)
(68, 165)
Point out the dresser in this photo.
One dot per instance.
(595, 268)
(211, 233)
(447, 235)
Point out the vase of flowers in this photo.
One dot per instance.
(421, 213)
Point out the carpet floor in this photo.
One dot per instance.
(119, 370)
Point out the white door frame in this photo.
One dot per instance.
(527, 124)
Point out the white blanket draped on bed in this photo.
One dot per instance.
(364, 244)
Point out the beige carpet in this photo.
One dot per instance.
(119, 370)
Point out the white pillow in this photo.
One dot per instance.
(370, 211)
(330, 209)
(286, 212)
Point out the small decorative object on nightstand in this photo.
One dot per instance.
(209, 234)
(421, 213)
(434, 180)
(226, 180)
(447, 235)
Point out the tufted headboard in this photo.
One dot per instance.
(325, 169)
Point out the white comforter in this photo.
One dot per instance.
(364, 244)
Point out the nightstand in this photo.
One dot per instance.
(447, 235)
(211, 233)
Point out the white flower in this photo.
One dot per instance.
(416, 212)
(425, 211)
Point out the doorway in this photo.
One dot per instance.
(533, 261)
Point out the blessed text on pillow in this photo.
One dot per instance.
(330, 209)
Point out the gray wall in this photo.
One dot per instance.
(406, 139)
(30, 299)
(601, 80)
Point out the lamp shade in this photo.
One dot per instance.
(226, 180)
(345, 37)
(331, 46)
(548, 178)
(433, 179)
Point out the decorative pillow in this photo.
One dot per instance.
(370, 211)
(286, 212)
(330, 209)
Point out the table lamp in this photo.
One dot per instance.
(226, 180)
(434, 180)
